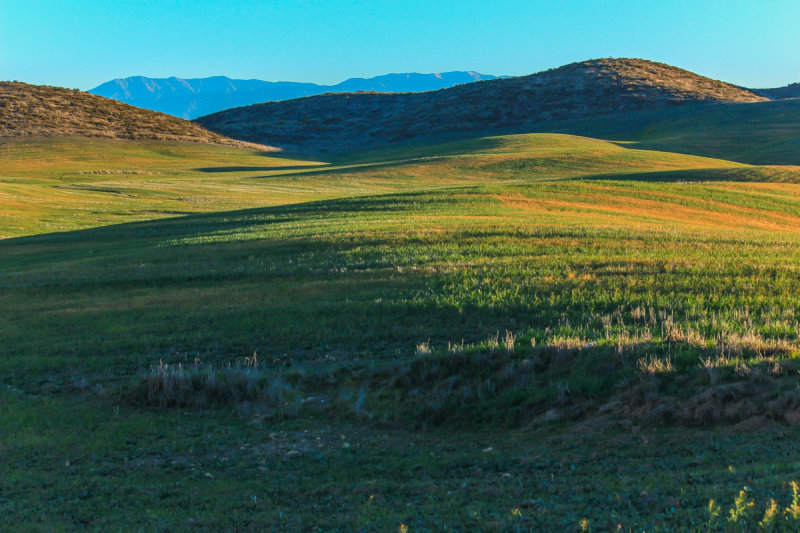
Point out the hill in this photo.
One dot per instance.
(335, 123)
(44, 111)
(758, 133)
(779, 93)
(191, 98)
(537, 331)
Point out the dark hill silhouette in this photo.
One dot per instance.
(191, 98)
(337, 123)
(780, 93)
(43, 111)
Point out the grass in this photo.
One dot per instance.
(94, 466)
(61, 184)
(489, 254)
(760, 133)
(558, 325)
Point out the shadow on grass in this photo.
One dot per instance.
(219, 222)
(742, 174)
(215, 170)
(346, 169)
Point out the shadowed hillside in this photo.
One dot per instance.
(43, 111)
(780, 93)
(340, 122)
(760, 133)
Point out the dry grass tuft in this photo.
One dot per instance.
(455, 348)
(652, 365)
(424, 348)
(509, 341)
(197, 385)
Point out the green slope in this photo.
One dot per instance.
(368, 245)
(552, 301)
(761, 133)
(62, 184)
(382, 273)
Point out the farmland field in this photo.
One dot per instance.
(491, 334)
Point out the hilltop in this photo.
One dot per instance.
(44, 111)
(335, 123)
(191, 98)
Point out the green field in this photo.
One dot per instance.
(49, 185)
(507, 333)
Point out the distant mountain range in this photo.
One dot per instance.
(191, 98)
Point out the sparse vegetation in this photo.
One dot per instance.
(197, 385)
(586, 89)
(424, 348)
(43, 111)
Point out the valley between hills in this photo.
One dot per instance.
(563, 301)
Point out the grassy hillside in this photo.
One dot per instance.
(761, 133)
(487, 259)
(509, 333)
(58, 184)
(390, 312)
(341, 123)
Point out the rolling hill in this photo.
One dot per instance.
(417, 336)
(56, 184)
(519, 317)
(336, 123)
(758, 133)
(44, 111)
(191, 98)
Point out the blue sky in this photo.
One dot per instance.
(82, 43)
